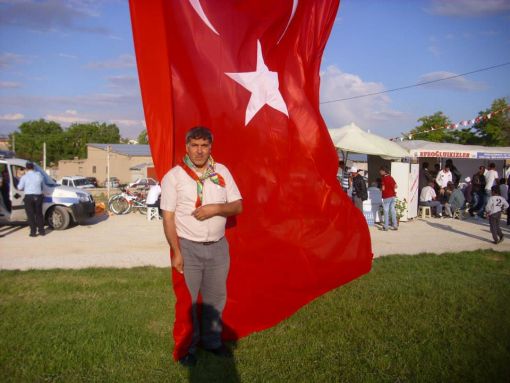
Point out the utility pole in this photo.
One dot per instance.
(14, 142)
(108, 172)
(44, 156)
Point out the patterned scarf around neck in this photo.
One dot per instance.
(210, 173)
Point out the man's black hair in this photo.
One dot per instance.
(495, 189)
(492, 165)
(30, 165)
(199, 132)
(425, 165)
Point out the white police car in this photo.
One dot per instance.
(62, 205)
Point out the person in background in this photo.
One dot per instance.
(495, 205)
(478, 185)
(507, 171)
(3, 208)
(340, 173)
(442, 179)
(468, 191)
(508, 199)
(437, 169)
(456, 200)
(503, 189)
(491, 176)
(153, 197)
(456, 175)
(32, 183)
(389, 194)
(428, 197)
(359, 188)
(4, 189)
(425, 176)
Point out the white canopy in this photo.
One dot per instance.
(351, 138)
(420, 148)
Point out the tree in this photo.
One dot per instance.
(79, 135)
(437, 121)
(143, 139)
(493, 131)
(30, 138)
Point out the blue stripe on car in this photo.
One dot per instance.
(66, 200)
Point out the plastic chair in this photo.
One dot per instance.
(425, 212)
(153, 214)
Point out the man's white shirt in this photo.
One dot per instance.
(427, 194)
(490, 177)
(496, 204)
(179, 195)
(443, 178)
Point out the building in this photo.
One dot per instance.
(4, 142)
(127, 163)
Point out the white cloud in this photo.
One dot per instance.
(469, 7)
(458, 83)
(127, 126)
(11, 117)
(123, 61)
(9, 85)
(67, 56)
(125, 82)
(8, 59)
(66, 118)
(367, 112)
(51, 15)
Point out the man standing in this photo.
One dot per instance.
(478, 183)
(32, 183)
(388, 194)
(425, 176)
(490, 180)
(443, 177)
(342, 176)
(196, 197)
(495, 206)
(359, 188)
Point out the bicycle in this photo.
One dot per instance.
(126, 201)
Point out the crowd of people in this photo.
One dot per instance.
(483, 195)
(354, 184)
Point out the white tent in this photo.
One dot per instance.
(420, 148)
(352, 139)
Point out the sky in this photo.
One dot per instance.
(73, 61)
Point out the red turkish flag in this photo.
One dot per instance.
(249, 70)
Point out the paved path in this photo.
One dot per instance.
(128, 241)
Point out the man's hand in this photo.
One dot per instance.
(178, 262)
(205, 212)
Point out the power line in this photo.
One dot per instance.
(416, 85)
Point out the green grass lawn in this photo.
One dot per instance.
(424, 318)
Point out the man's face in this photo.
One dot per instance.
(198, 151)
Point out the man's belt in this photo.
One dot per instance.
(206, 243)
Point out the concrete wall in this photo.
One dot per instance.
(95, 165)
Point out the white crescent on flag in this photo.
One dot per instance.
(200, 11)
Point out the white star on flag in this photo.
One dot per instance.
(263, 85)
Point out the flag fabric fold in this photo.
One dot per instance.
(250, 72)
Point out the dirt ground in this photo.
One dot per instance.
(130, 240)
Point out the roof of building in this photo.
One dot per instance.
(142, 166)
(126, 149)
